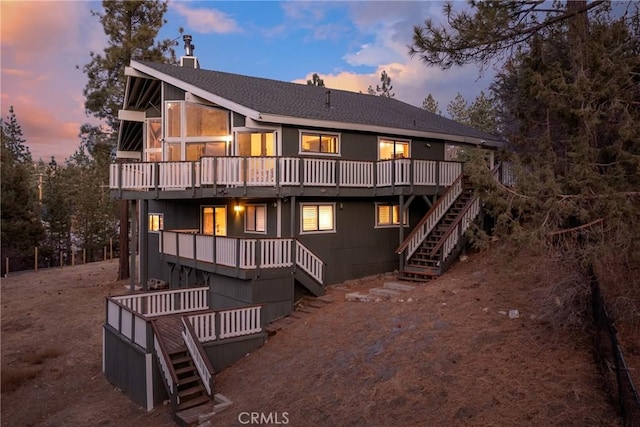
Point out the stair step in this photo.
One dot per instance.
(193, 402)
(180, 360)
(191, 390)
(188, 380)
(418, 270)
(387, 293)
(185, 369)
(398, 286)
(357, 296)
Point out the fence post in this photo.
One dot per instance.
(6, 264)
(35, 259)
(84, 256)
(61, 260)
(111, 248)
(73, 258)
(105, 253)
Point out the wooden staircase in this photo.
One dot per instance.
(189, 390)
(428, 260)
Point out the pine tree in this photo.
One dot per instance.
(21, 227)
(57, 209)
(315, 81)
(384, 88)
(131, 28)
(458, 109)
(431, 105)
(483, 115)
(567, 100)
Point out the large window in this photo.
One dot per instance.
(255, 219)
(194, 130)
(214, 220)
(388, 215)
(205, 121)
(392, 149)
(156, 222)
(319, 143)
(318, 218)
(257, 144)
(154, 136)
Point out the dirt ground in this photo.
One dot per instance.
(445, 353)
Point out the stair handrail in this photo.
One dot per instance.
(454, 225)
(200, 358)
(455, 187)
(494, 172)
(311, 263)
(169, 374)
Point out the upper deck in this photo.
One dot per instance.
(280, 177)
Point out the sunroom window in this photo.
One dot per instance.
(318, 218)
(194, 130)
(393, 149)
(320, 143)
(154, 136)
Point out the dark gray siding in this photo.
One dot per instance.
(238, 120)
(274, 288)
(125, 368)
(172, 93)
(357, 248)
(223, 354)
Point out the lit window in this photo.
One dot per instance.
(319, 143)
(391, 149)
(318, 218)
(214, 218)
(174, 119)
(205, 121)
(154, 134)
(156, 222)
(389, 216)
(256, 218)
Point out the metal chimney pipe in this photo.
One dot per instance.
(188, 47)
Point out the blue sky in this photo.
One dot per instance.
(347, 43)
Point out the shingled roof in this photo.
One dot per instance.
(285, 102)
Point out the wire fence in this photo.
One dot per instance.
(614, 368)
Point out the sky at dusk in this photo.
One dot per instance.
(347, 43)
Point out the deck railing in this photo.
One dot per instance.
(166, 302)
(281, 171)
(198, 355)
(229, 323)
(127, 322)
(247, 254)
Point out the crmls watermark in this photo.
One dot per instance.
(261, 418)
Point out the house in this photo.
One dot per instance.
(247, 193)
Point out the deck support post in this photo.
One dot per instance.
(133, 246)
(144, 244)
(401, 230)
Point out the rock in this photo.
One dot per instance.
(514, 314)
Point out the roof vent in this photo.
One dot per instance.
(188, 60)
(327, 101)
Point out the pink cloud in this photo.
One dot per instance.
(41, 45)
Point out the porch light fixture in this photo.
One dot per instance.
(237, 208)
